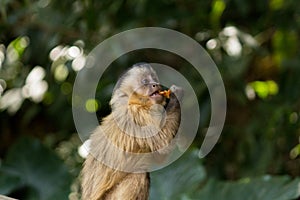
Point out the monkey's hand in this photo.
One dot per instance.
(175, 97)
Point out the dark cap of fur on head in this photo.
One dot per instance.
(122, 77)
(142, 64)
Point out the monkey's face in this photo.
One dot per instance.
(146, 85)
(142, 86)
(149, 88)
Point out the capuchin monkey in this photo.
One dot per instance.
(142, 120)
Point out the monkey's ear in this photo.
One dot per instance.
(118, 98)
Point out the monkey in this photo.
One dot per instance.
(142, 120)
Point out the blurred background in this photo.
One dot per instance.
(255, 44)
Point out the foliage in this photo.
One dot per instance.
(179, 179)
(34, 169)
(266, 187)
(255, 44)
(182, 180)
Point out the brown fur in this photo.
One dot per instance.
(131, 109)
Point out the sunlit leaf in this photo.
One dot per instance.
(264, 88)
(218, 7)
(276, 4)
(92, 105)
(295, 152)
(16, 47)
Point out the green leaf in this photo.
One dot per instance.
(266, 188)
(295, 152)
(30, 164)
(180, 178)
(8, 183)
(218, 7)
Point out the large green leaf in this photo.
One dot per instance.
(262, 188)
(32, 166)
(180, 178)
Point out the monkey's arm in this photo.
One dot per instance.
(172, 121)
(173, 109)
(176, 95)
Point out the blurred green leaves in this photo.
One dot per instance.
(255, 44)
(286, 45)
(16, 48)
(263, 89)
(12, 77)
(31, 165)
(178, 180)
(266, 188)
(92, 105)
(186, 179)
(295, 152)
(218, 7)
(276, 4)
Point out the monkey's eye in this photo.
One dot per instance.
(145, 81)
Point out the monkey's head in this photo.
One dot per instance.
(139, 85)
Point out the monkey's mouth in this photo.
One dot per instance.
(155, 94)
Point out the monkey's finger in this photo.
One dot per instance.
(178, 91)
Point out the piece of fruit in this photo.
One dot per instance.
(165, 93)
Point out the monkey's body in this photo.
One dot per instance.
(132, 108)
